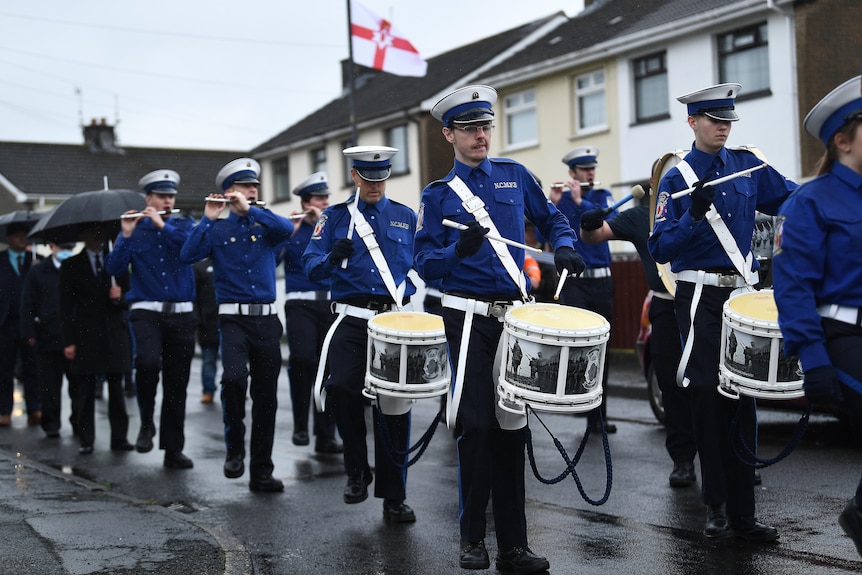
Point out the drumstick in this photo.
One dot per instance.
(637, 192)
(720, 180)
(513, 243)
(563, 275)
(351, 225)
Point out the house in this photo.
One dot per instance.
(36, 176)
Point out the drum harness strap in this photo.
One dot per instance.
(475, 206)
(366, 232)
(742, 265)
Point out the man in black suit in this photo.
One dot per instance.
(40, 328)
(14, 264)
(96, 338)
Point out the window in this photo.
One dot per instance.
(348, 181)
(590, 101)
(281, 177)
(396, 137)
(318, 160)
(743, 57)
(651, 94)
(519, 111)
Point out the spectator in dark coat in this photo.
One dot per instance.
(206, 313)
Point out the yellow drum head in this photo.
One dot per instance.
(758, 305)
(408, 321)
(554, 316)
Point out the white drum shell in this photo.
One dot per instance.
(576, 389)
(752, 358)
(403, 364)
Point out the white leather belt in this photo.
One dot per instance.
(354, 311)
(712, 279)
(164, 306)
(308, 295)
(433, 292)
(595, 273)
(484, 308)
(247, 309)
(842, 313)
(662, 295)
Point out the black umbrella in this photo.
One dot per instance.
(26, 217)
(67, 221)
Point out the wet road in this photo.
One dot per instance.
(644, 527)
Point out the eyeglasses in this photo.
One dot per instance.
(474, 129)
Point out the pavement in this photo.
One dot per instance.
(55, 522)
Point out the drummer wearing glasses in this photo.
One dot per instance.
(479, 280)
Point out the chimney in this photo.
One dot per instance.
(99, 137)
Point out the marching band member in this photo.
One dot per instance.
(307, 318)
(819, 298)
(161, 303)
(364, 247)
(706, 237)
(243, 249)
(475, 275)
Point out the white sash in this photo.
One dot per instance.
(475, 206)
(366, 232)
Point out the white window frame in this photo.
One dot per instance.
(595, 84)
(520, 106)
(401, 160)
(749, 43)
(639, 79)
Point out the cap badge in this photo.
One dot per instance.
(475, 96)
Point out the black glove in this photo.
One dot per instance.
(342, 250)
(701, 199)
(821, 386)
(594, 219)
(471, 239)
(565, 258)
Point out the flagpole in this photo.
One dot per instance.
(351, 83)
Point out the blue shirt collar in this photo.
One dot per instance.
(701, 158)
(842, 172)
(379, 206)
(463, 171)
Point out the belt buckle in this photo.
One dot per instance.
(726, 280)
(497, 309)
(168, 307)
(255, 309)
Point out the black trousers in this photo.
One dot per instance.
(84, 406)
(250, 348)
(347, 363)
(164, 344)
(725, 478)
(51, 366)
(597, 295)
(665, 351)
(490, 459)
(306, 323)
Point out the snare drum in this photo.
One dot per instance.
(406, 359)
(752, 356)
(553, 359)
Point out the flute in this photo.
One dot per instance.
(584, 184)
(142, 214)
(230, 201)
(507, 241)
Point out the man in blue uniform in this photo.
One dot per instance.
(632, 225)
(307, 318)
(243, 249)
(161, 303)
(818, 280)
(480, 280)
(706, 237)
(594, 289)
(368, 274)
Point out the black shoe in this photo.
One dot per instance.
(609, 427)
(177, 460)
(397, 512)
(717, 526)
(474, 556)
(357, 487)
(266, 483)
(682, 474)
(327, 445)
(122, 446)
(85, 449)
(521, 560)
(300, 438)
(144, 443)
(757, 478)
(751, 530)
(53, 433)
(234, 466)
(850, 521)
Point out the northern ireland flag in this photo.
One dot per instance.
(376, 44)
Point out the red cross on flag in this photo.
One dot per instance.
(376, 44)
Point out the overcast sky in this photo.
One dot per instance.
(206, 75)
